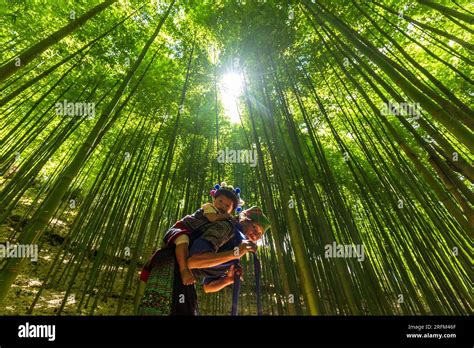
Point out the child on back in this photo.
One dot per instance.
(226, 199)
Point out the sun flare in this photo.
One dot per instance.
(231, 87)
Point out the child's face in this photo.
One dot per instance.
(224, 204)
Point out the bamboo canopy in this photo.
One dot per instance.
(349, 122)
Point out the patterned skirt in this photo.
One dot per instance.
(165, 293)
(157, 298)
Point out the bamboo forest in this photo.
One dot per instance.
(348, 123)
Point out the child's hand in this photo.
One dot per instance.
(187, 277)
(228, 216)
(219, 217)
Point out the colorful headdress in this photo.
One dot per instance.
(231, 193)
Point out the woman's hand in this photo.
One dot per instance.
(221, 283)
(246, 246)
(211, 259)
(231, 272)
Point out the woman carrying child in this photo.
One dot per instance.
(215, 241)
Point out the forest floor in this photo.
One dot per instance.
(30, 279)
(31, 276)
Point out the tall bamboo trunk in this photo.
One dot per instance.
(28, 55)
(40, 220)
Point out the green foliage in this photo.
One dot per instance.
(311, 105)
